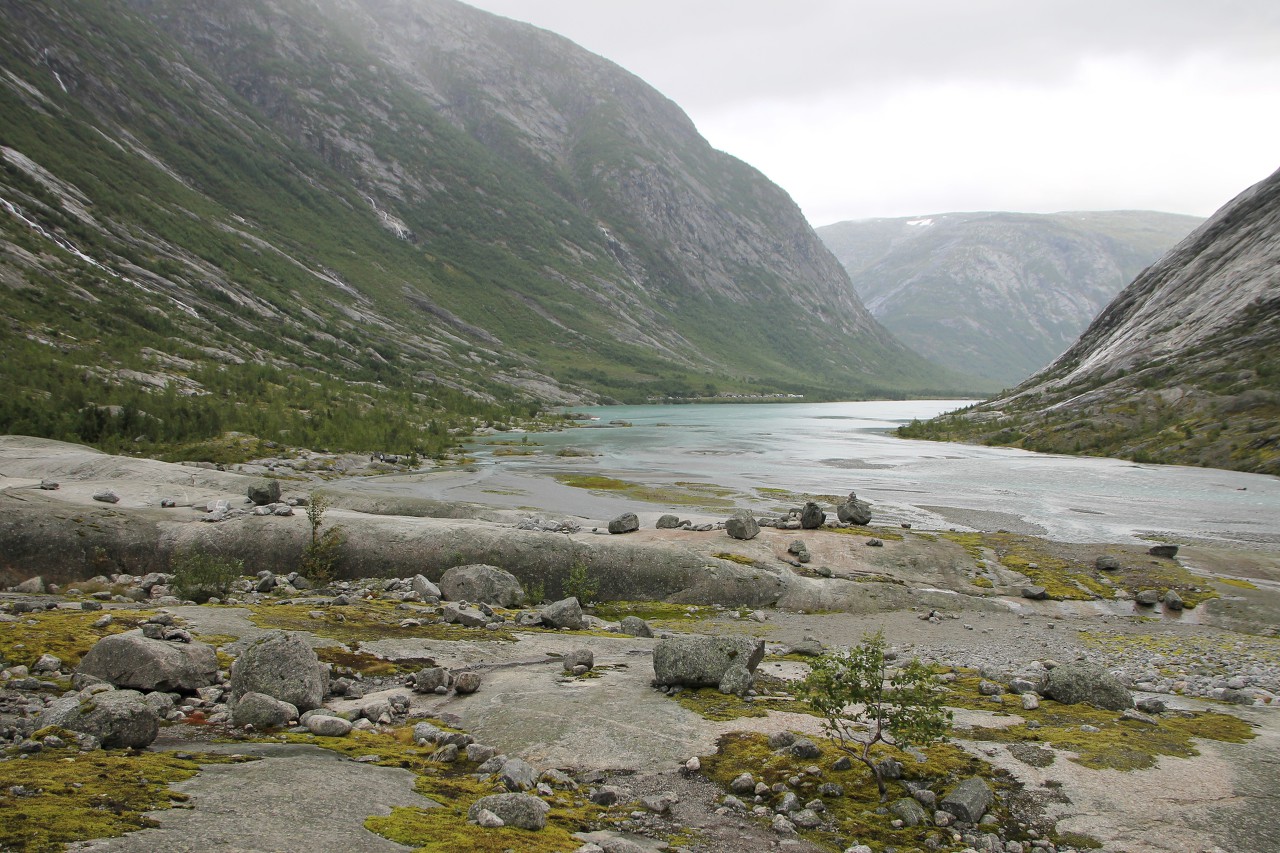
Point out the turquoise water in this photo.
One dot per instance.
(835, 448)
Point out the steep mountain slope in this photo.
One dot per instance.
(1182, 367)
(998, 295)
(211, 198)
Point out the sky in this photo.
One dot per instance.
(878, 108)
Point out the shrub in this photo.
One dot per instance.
(199, 575)
(862, 704)
(580, 585)
(320, 557)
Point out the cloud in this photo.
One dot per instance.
(918, 106)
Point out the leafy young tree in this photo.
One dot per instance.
(320, 557)
(863, 704)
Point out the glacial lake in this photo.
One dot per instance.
(700, 460)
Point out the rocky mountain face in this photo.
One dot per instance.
(206, 199)
(1182, 367)
(998, 295)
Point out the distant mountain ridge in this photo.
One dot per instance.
(1182, 367)
(406, 199)
(998, 295)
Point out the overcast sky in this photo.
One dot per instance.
(865, 108)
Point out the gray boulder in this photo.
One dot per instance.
(424, 587)
(1081, 681)
(741, 525)
(1172, 600)
(465, 683)
(467, 617)
(566, 613)
(854, 511)
(668, 522)
(1166, 551)
(480, 582)
(1147, 598)
(136, 662)
(522, 810)
(1035, 593)
(969, 800)
(107, 496)
(812, 517)
(910, 812)
(578, 657)
(634, 626)
(1107, 563)
(263, 712)
(116, 718)
(281, 665)
(517, 775)
(628, 522)
(264, 492)
(428, 679)
(31, 586)
(700, 661)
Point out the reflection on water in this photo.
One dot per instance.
(835, 448)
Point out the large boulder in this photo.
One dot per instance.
(742, 525)
(566, 613)
(424, 587)
(1081, 681)
(264, 492)
(117, 718)
(281, 665)
(812, 517)
(136, 662)
(628, 522)
(262, 712)
(969, 800)
(854, 511)
(522, 810)
(479, 582)
(31, 586)
(634, 626)
(699, 661)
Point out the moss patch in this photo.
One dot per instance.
(455, 787)
(1117, 743)
(680, 493)
(883, 533)
(656, 613)
(62, 795)
(347, 662)
(367, 620)
(1071, 578)
(66, 634)
(854, 812)
(734, 558)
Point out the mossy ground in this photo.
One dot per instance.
(455, 786)
(62, 795)
(681, 493)
(659, 614)
(1118, 744)
(1180, 652)
(710, 704)
(883, 533)
(944, 765)
(363, 621)
(1067, 578)
(67, 634)
(734, 558)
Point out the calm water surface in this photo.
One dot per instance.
(834, 448)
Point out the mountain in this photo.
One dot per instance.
(998, 295)
(280, 216)
(1182, 367)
